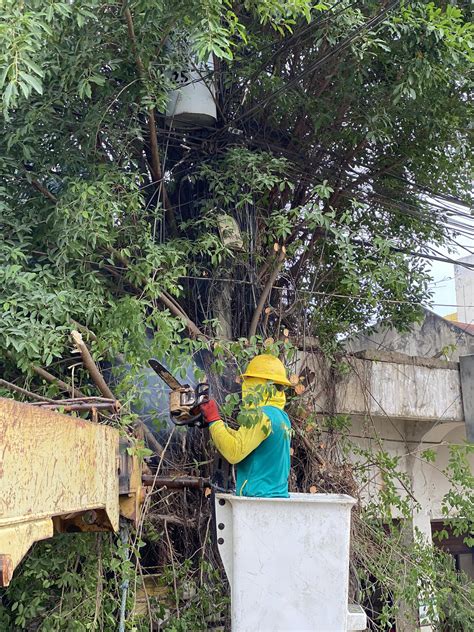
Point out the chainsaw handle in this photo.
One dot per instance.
(202, 392)
(191, 421)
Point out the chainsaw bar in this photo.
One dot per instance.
(165, 375)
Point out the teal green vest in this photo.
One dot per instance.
(264, 472)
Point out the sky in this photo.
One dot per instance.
(443, 277)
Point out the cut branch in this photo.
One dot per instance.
(49, 377)
(78, 400)
(23, 391)
(91, 366)
(176, 482)
(79, 407)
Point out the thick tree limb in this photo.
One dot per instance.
(91, 366)
(266, 291)
(49, 377)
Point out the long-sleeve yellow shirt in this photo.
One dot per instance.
(235, 445)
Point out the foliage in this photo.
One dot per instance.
(69, 583)
(342, 132)
(458, 503)
(73, 582)
(431, 582)
(87, 226)
(202, 594)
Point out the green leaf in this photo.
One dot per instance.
(34, 82)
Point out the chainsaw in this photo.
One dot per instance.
(184, 400)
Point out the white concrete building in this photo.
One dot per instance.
(405, 405)
(408, 393)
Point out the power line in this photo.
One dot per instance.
(328, 171)
(434, 195)
(404, 208)
(369, 25)
(299, 36)
(319, 293)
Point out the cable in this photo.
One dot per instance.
(125, 580)
(369, 25)
(317, 293)
(410, 210)
(434, 194)
(299, 37)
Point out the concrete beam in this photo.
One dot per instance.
(419, 389)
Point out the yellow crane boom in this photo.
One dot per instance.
(59, 473)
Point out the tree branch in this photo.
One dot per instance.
(84, 406)
(266, 291)
(49, 377)
(91, 366)
(150, 438)
(168, 302)
(190, 325)
(43, 190)
(23, 391)
(152, 131)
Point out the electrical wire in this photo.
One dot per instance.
(319, 293)
(400, 206)
(299, 36)
(367, 26)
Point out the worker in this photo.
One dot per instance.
(261, 449)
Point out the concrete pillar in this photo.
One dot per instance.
(422, 524)
(407, 616)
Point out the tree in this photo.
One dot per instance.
(340, 143)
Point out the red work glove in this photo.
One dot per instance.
(210, 411)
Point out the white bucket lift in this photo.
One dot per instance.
(192, 104)
(287, 561)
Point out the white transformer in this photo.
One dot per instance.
(193, 103)
(287, 561)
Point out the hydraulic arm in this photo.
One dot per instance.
(59, 473)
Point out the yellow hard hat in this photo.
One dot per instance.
(267, 367)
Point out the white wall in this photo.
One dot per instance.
(407, 440)
(464, 281)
